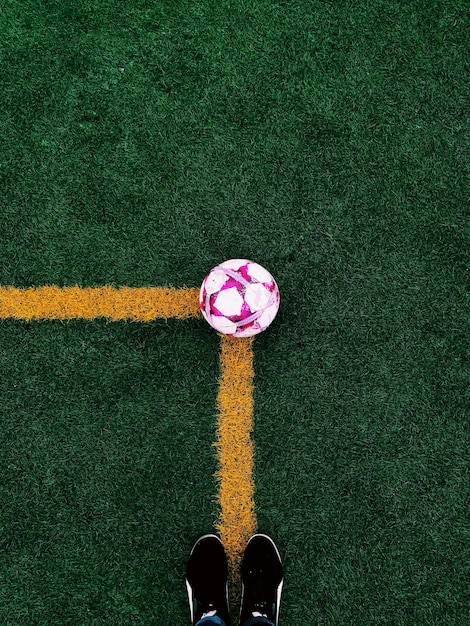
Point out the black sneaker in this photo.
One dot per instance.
(262, 580)
(206, 580)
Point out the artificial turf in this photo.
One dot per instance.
(141, 143)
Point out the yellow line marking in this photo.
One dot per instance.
(124, 303)
(237, 520)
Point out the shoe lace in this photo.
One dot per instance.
(260, 604)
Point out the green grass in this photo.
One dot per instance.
(143, 142)
(106, 464)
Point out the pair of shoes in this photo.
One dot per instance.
(262, 581)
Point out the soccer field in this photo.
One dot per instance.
(141, 144)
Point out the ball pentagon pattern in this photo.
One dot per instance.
(239, 297)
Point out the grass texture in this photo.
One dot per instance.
(141, 144)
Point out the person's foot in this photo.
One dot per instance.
(262, 580)
(206, 580)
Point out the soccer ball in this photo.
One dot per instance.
(239, 298)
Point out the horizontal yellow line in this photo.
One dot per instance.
(123, 303)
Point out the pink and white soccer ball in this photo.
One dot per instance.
(239, 298)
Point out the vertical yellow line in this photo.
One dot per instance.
(237, 521)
